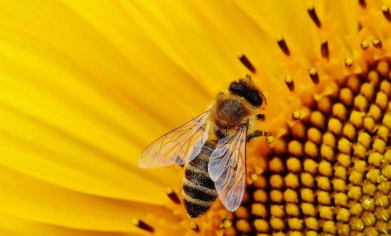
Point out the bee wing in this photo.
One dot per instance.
(227, 168)
(180, 146)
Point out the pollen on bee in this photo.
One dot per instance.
(246, 62)
(386, 12)
(142, 225)
(311, 11)
(282, 44)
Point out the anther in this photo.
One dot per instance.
(313, 15)
(225, 223)
(193, 226)
(362, 3)
(282, 44)
(270, 139)
(348, 62)
(254, 177)
(173, 196)
(376, 43)
(364, 44)
(324, 49)
(289, 82)
(296, 115)
(142, 225)
(386, 12)
(313, 72)
(246, 62)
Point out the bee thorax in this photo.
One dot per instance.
(230, 112)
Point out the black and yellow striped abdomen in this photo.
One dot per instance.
(199, 191)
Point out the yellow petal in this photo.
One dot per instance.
(137, 47)
(286, 18)
(31, 199)
(240, 32)
(196, 43)
(65, 123)
(10, 225)
(345, 14)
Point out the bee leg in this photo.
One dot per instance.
(257, 133)
(260, 116)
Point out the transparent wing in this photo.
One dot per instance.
(227, 168)
(179, 146)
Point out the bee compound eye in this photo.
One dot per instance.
(237, 88)
(254, 98)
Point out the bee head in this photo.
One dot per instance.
(246, 88)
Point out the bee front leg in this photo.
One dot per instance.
(257, 133)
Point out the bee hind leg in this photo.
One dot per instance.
(257, 133)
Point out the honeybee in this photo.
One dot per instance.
(212, 147)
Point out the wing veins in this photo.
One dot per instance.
(227, 171)
(179, 146)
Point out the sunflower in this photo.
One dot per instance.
(85, 86)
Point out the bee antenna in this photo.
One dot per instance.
(248, 76)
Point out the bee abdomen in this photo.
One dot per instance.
(198, 176)
(199, 191)
(196, 207)
(197, 198)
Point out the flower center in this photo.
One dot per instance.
(331, 172)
